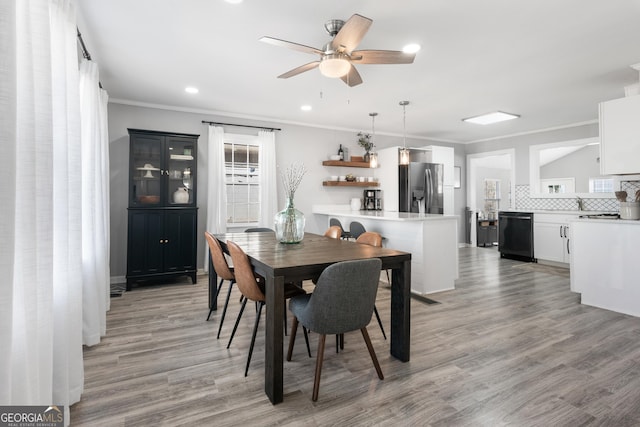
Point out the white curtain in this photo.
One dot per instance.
(216, 187)
(40, 218)
(268, 178)
(95, 204)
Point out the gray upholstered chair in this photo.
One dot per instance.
(342, 301)
(356, 229)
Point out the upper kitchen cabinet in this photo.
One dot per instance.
(620, 136)
(162, 169)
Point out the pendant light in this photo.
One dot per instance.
(404, 152)
(373, 156)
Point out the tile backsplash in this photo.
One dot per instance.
(523, 201)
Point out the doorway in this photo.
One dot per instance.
(490, 167)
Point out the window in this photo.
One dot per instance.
(600, 185)
(242, 171)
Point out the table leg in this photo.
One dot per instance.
(401, 311)
(273, 382)
(213, 288)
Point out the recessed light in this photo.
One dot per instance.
(191, 89)
(411, 48)
(490, 118)
(306, 108)
(233, 1)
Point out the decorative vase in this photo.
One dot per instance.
(289, 224)
(181, 195)
(367, 157)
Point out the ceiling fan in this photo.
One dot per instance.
(337, 57)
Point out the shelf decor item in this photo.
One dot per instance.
(289, 222)
(364, 140)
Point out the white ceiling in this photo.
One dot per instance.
(549, 61)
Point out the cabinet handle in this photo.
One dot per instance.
(568, 250)
(561, 232)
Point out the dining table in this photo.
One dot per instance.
(280, 263)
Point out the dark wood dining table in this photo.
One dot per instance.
(282, 263)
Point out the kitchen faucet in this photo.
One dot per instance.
(580, 204)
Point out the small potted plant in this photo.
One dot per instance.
(364, 140)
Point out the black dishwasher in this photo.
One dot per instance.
(515, 236)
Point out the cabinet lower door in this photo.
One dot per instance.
(146, 242)
(180, 248)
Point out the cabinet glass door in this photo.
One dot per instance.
(180, 171)
(146, 170)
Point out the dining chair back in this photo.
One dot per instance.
(334, 232)
(252, 290)
(370, 238)
(343, 301)
(223, 271)
(356, 229)
(335, 221)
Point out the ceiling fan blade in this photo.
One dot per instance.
(351, 33)
(382, 57)
(352, 78)
(300, 69)
(291, 45)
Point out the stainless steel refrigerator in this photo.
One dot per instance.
(421, 188)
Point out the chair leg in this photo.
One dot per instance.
(316, 380)
(244, 303)
(306, 339)
(217, 293)
(253, 337)
(224, 310)
(375, 310)
(372, 352)
(292, 337)
(284, 317)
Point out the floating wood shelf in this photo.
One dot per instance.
(345, 164)
(349, 184)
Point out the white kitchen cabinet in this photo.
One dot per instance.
(551, 237)
(603, 264)
(620, 136)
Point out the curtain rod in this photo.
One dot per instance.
(242, 126)
(85, 52)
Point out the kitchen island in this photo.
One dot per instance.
(431, 239)
(604, 253)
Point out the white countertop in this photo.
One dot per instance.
(557, 212)
(345, 210)
(609, 221)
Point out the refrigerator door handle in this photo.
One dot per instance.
(429, 190)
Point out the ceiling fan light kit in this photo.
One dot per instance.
(334, 65)
(337, 58)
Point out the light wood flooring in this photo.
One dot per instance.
(510, 346)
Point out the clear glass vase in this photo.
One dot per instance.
(289, 224)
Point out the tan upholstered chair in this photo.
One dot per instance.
(223, 271)
(373, 239)
(335, 232)
(252, 290)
